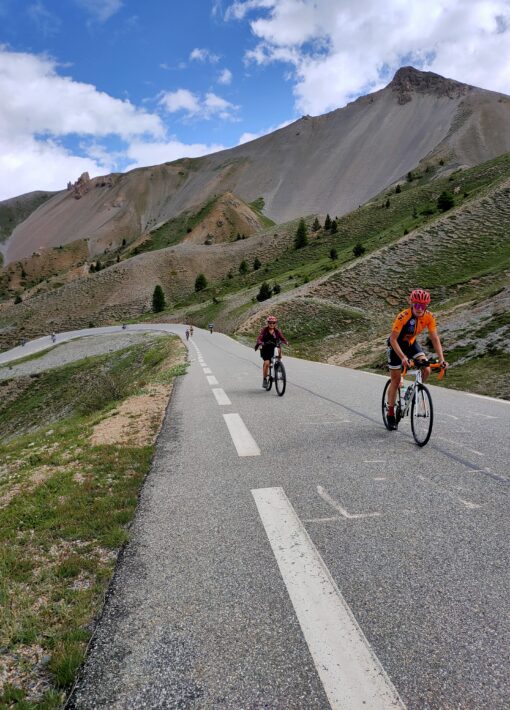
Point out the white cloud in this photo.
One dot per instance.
(203, 55)
(28, 164)
(101, 10)
(195, 107)
(47, 22)
(225, 77)
(338, 50)
(36, 100)
(142, 154)
(180, 100)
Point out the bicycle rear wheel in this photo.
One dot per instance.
(280, 379)
(269, 379)
(422, 415)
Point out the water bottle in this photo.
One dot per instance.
(408, 394)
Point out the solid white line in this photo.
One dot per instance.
(221, 397)
(243, 441)
(211, 379)
(207, 370)
(334, 504)
(484, 396)
(351, 673)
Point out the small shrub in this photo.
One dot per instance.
(333, 254)
(316, 225)
(243, 267)
(445, 201)
(358, 250)
(276, 289)
(200, 282)
(398, 190)
(387, 203)
(18, 299)
(406, 231)
(256, 264)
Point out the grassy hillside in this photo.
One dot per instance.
(67, 494)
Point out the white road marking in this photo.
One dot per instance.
(452, 416)
(322, 520)
(211, 379)
(334, 504)
(374, 460)
(221, 397)
(379, 478)
(243, 441)
(207, 370)
(450, 494)
(351, 673)
(483, 396)
(459, 443)
(487, 416)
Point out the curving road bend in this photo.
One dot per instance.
(291, 553)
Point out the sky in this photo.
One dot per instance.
(111, 85)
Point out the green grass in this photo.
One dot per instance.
(487, 375)
(64, 507)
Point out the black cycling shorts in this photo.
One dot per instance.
(410, 351)
(267, 351)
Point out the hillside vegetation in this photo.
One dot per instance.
(77, 442)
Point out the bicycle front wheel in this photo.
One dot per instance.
(280, 379)
(385, 404)
(422, 415)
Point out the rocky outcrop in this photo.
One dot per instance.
(80, 187)
(408, 81)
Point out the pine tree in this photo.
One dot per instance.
(316, 225)
(327, 222)
(264, 292)
(276, 289)
(445, 201)
(301, 239)
(158, 299)
(243, 267)
(398, 189)
(333, 254)
(334, 227)
(358, 250)
(256, 264)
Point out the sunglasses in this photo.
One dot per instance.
(420, 306)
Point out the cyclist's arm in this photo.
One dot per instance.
(396, 347)
(436, 343)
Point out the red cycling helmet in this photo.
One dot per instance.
(271, 319)
(419, 295)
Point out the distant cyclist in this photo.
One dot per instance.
(403, 346)
(53, 337)
(211, 326)
(269, 338)
(191, 331)
(187, 333)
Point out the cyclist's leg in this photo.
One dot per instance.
(395, 368)
(416, 352)
(265, 369)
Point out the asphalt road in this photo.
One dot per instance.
(244, 571)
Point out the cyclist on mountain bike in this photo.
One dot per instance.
(403, 346)
(269, 338)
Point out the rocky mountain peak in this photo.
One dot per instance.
(408, 81)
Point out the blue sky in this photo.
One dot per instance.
(109, 85)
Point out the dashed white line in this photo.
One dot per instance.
(211, 379)
(207, 370)
(334, 504)
(221, 397)
(350, 671)
(243, 441)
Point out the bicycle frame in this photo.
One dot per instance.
(416, 372)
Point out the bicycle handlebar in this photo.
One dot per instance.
(427, 363)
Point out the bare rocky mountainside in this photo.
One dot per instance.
(330, 163)
(93, 253)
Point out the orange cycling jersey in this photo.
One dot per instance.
(408, 325)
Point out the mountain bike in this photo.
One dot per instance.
(415, 402)
(277, 372)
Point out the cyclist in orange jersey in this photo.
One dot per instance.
(403, 346)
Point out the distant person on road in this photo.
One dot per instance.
(187, 333)
(269, 338)
(403, 346)
(191, 331)
(211, 326)
(53, 337)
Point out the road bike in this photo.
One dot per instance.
(415, 402)
(277, 372)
